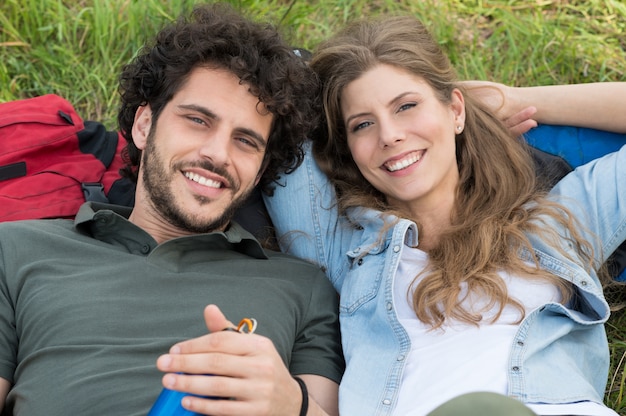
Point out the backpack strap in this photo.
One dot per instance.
(94, 191)
(14, 170)
(103, 144)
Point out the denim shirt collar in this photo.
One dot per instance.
(372, 223)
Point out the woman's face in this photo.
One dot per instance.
(402, 137)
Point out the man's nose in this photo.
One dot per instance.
(217, 148)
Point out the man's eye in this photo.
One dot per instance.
(197, 120)
(247, 142)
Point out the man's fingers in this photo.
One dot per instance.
(219, 363)
(220, 395)
(215, 319)
(225, 353)
(226, 342)
(206, 385)
(222, 407)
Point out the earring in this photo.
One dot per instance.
(459, 128)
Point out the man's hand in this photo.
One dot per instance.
(5, 386)
(246, 370)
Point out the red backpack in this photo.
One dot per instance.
(51, 161)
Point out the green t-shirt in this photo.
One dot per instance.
(86, 307)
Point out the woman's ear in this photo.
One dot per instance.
(457, 105)
(142, 126)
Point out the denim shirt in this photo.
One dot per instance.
(560, 352)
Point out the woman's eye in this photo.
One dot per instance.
(407, 106)
(361, 126)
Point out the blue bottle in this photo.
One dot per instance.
(169, 404)
(169, 401)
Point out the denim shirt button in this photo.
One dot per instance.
(145, 249)
(359, 262)
(396, 249)
(515, 368)
(583, 283)
(401, 357)
(520, 343)
(386, 402)
(389, 306)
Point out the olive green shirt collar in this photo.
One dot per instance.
(109, 223)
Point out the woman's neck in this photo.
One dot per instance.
(433, 220)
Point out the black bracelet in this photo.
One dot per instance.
(305, 396)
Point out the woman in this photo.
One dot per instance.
(456, 272)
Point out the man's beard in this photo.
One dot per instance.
(157, 183)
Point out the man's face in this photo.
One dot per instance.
(205, 153)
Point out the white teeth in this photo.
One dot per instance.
(202, 180)
(404, 163)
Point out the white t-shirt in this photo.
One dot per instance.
(462, 358)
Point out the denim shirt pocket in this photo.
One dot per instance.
(587, 305)
(363, 278)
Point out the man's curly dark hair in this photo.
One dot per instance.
(216, 35)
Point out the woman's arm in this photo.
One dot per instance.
(597, 105)
(304, 214)
(596, 194)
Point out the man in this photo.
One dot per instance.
(216, 106)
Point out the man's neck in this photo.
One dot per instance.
(160, 228)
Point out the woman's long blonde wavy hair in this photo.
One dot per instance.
(498, 200)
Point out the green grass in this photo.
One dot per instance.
(75, 48)
(617, 380)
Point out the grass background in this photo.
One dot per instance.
(75, 48)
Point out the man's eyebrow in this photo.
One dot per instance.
(210, 114)
(203, 110)
(256, 136)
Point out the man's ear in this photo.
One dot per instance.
(259, 176)
(266, 161)
(142, 126)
